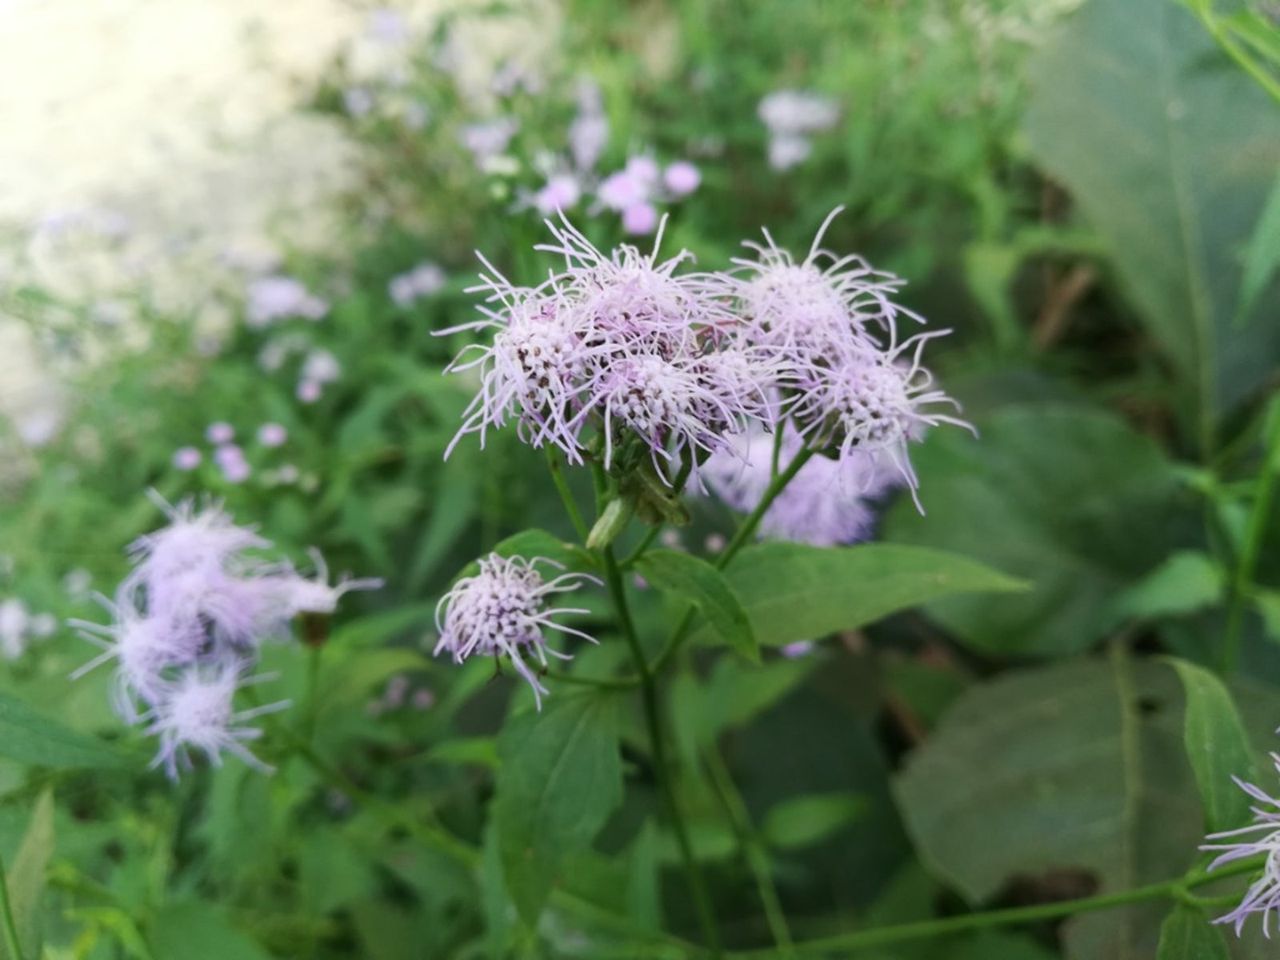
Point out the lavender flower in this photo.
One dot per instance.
(791, 116)
(278, 298)
(832, 326)
(231, 461)
(502, 611)
(640, 219)
(422, 281)
(186, 458)
(589, 131)
(681, 178)
(186, 625)
(561, 192)
(220, 432)
(489, 138)
(198, 713)
(825, 504)
(272, 435)
(1262, 837)
(619, 343)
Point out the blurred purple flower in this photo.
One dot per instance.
(681, 178)
(187, 458)
(422, 281)
(640, 219)
(272, 435)
(220, 432)
(280, 297)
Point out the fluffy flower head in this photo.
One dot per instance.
(502, 611)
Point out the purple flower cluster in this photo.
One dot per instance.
(1260, 838)
(792, 117)
(502, 612)
(227, 454)
(620, 344)
(279, 298)
(187, 624)
(621, 352)
(422, 281)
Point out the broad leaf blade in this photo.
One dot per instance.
(1169, 150)
(559, 777)
(706, 588)
(792, 591)
(32, 738)
(1070, 498)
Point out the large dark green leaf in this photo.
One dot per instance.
(1071, 499)
(1169, 150)
(705, 587)
(559, 777)
(1217, 747)
(30, 737)
(792, 591)
(1076, 767)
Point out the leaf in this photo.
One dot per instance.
(1187, 934)
(1267, 603)
(559, 777)
(1070, 768)
(1168, 150)
(1070, 498)
(465, 751)
(1186, 582)
(32, 738)
(454, 506)
(26, 876)
(792, 591)
(197, 931)
(1217, 747)
(536, 543)
(804, 821)
(1262, 255)
(351, 680)
(698, 582)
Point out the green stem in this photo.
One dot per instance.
(928, 929)
(748, 528)
(1255, 533)
(566, 496)
(740, 539)
(12, 947)
(751, 845)
(653, 723)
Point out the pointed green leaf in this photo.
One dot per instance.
(792, 591)
(26, 877)
(559, 778)
(1217, 747)
(698, 582)
(1187, 934)
(32, 738)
